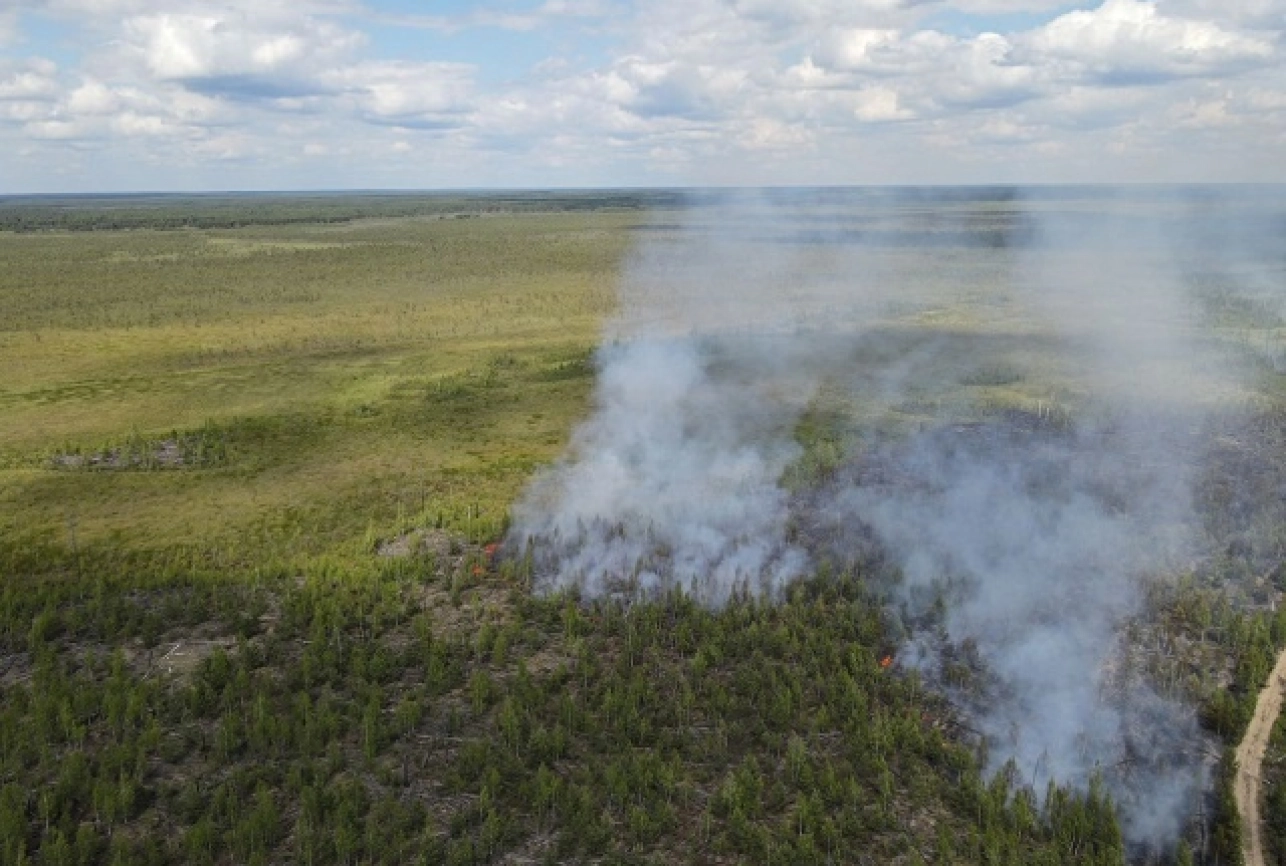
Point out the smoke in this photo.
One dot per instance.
(1035, 539)
(673, 482)
(674, 479)
(1014, 392)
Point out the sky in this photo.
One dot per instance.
(141, 95)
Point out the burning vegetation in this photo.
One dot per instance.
(1008, 445)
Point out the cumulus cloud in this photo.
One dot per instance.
(984, 72)
(93, 97)
(863, 49)
(992, 7)
(696, 91)
(672, 90)
(874, 104)
(824, 13)
(426, 95)
(28, 90)
(1268, 14)
(1087, 108)
(32, 80)
(240, 55)
(484, 17)
(104, 12)
(95, 110)
(1131, 41)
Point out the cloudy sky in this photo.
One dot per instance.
(286, 94)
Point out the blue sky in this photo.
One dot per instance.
(304, 94)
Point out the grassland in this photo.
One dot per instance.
(349, 377)
(252, 455)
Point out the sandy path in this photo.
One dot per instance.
(1250, 757)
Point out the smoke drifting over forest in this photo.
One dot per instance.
(994, 406)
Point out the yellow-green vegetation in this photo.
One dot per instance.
(271, 392)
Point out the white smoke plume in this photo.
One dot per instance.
(673, 480)
(1025, 386)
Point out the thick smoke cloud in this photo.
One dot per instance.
(1035, 537)
(674, 480)
(1022, 388)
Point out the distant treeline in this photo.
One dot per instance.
(236, 210)
(104, 212)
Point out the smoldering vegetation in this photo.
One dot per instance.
(1013, 549)
(1006, 410)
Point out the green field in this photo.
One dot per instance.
(314, 384)
(253, 455)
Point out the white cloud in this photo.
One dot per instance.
(1131, 41)
(131, 123)
(28, 90)
(1262, 100)
(673, 90)
(32, 80)
(238, 53)
(93, 97)
(429, 95)
(228, 146)
(1001, 7)
(549, 12)
(827, 13)
(985, 72)
(764, 133)
(112, 12)
(1268, 14)
(694, 91)
(938, 72)
(1081, 108)
(1003, 130)
(807, 75)
(876, 104)
(1205, 114)
(49, 109)
(861, 50)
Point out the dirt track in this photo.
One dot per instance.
(1250, 756)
